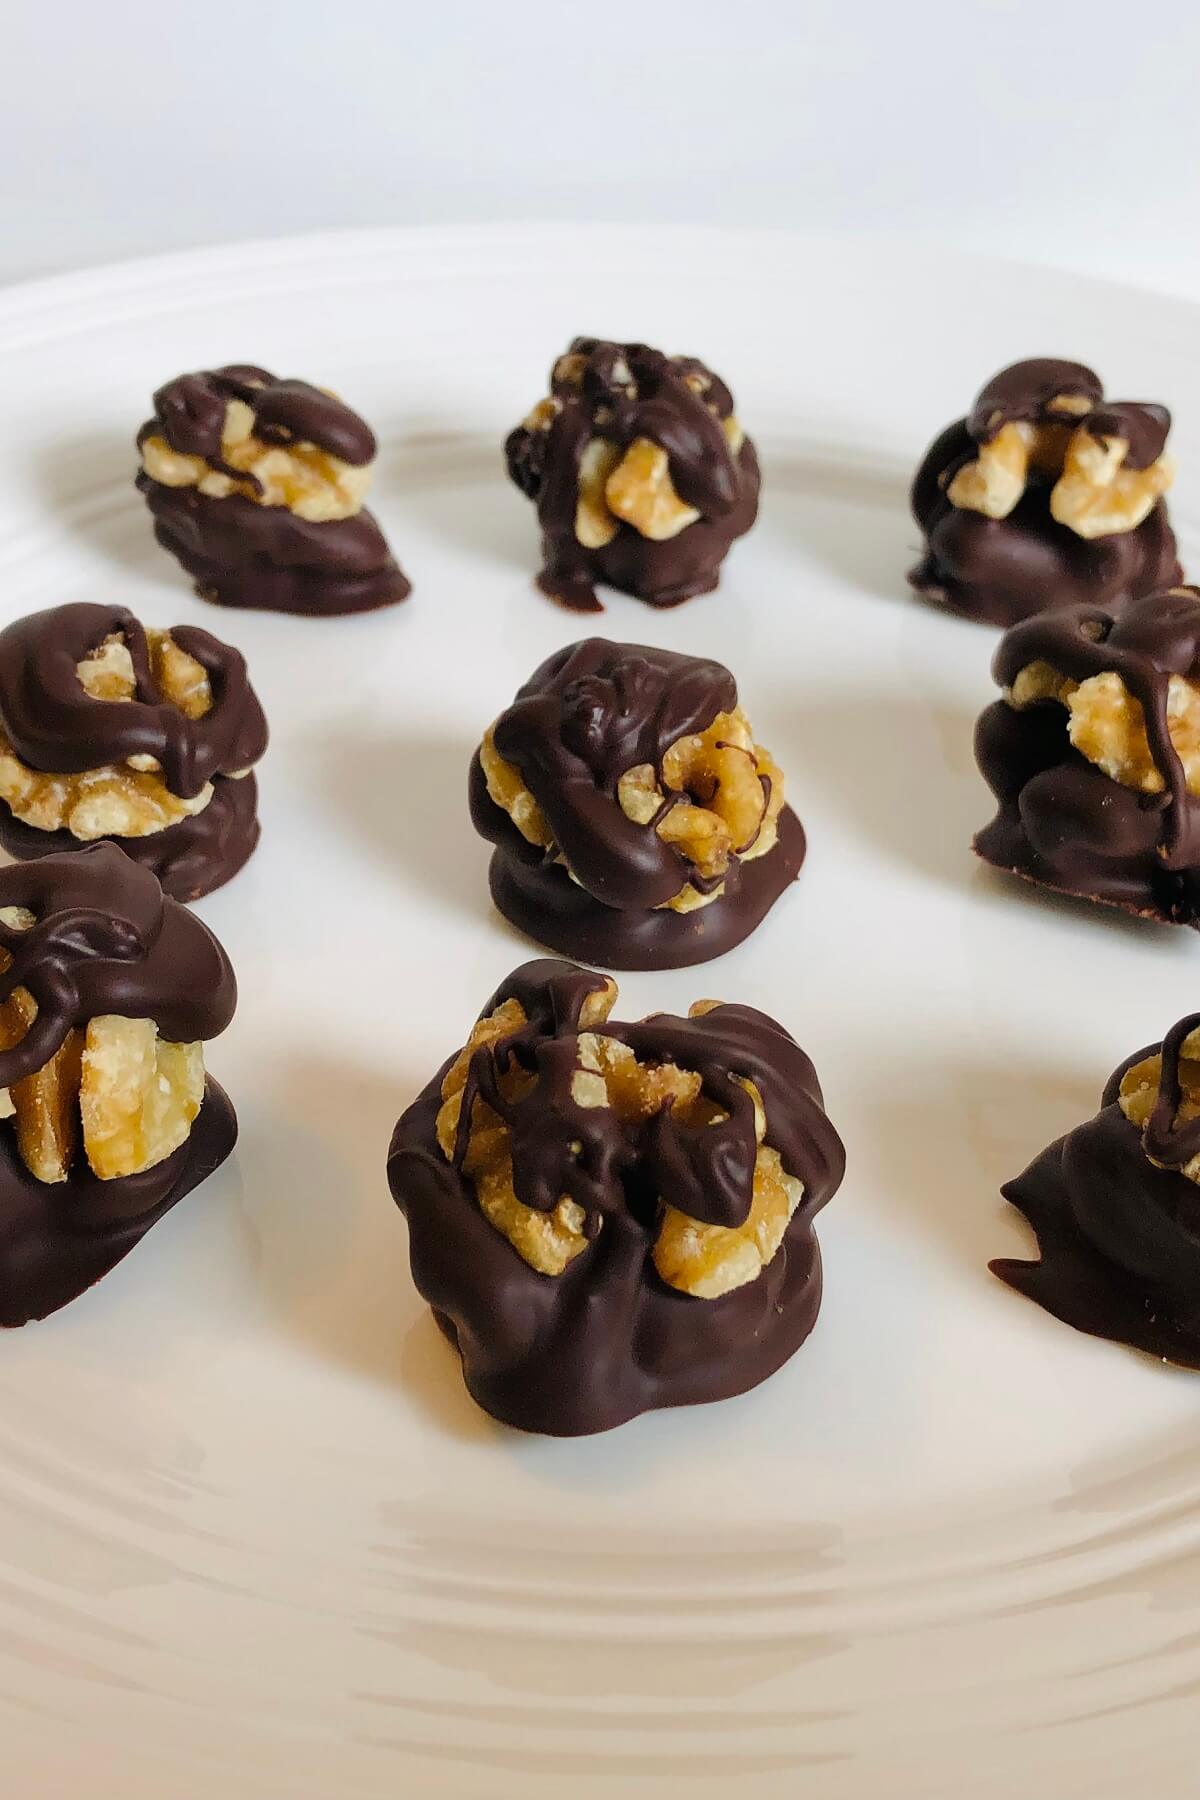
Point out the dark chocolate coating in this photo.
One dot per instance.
(1119, 1238)
(1062, 822)
(239, 553)
(190, 859)
(589, 713)
(106, 939)
(53, 724)
(654, 403)
(1005, 570)
(607, 1339)
(58, 1240)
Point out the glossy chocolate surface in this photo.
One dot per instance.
(106, 939)
(1004, 570)
(240, 553)
(589, 713)
(1063, 822)
(607, 1339)
(56, 726)
(190, 859)
(629, 391)
(57, 1240)
(1119, 1238)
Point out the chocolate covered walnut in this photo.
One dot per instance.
(641, 474)
(1045, 495)
(256, 485)
(637, 820)
(608, 1216)
(110, 730)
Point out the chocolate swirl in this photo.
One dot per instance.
(1005, 570)
(588, 714)
(241, 553)
(1119, 1238)
(105, 939)
(606, 1339)
(622, 392)
(190, 413)
(54, 724)
(1063, 821)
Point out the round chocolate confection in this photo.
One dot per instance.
(621, 393)
(105, 939)
(240, 553)
(1062, 822)
(55, 726)
(606, 1339)
(1004, 570)
(1119, 1237)
(588, 714)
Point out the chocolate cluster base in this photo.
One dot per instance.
(264, 557)
(586, 1350)
(190, 859)
(57, 1240)
(664, 573)
(1065, 825)
(1119, 1238)
(1000, 571)
(541, 900)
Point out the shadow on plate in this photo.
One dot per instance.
(853, 515)
(410, 812)
(456, 484)
(899, 769)
(87, 483)
(955, 1132)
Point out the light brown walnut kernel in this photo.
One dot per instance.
(1097, 496)
(995, 481)
(640, 491)
(703, 1260)
(308, 481)
(734, 794)
(127, 799)
(1105, 723)
(129, 1095)
(595, 525)
(1139, 1091)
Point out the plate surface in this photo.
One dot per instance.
(254, 1538)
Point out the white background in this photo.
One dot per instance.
(1054, 132)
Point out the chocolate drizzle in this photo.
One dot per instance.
(1005, 570)
(1063, 821)
(607, 1338)
(621, 392)
(241, 553)
(54, 724)
(105, 939)
(190, 413)
(1119, 1238)
(588, 714)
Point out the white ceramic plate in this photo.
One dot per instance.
(254, 1538)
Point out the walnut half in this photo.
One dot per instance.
(700, 1259)
(305, 479)
(1139, 1091)
(128, 1094)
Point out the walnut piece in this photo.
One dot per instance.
(1106, 723)
(1093, 494)
(1139, 1091)
(131, 1095)
(595, 525)
(640, 491)
(128, 799)
(726, 794)
(305, 479)
(138, 1095)
(698, 1259)
(1096, 496)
